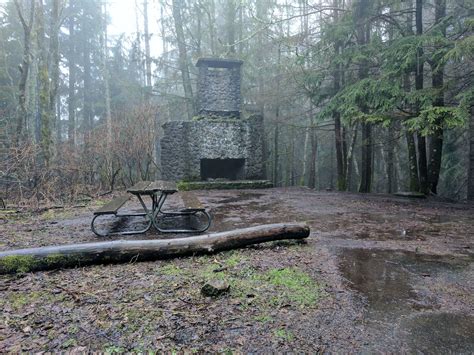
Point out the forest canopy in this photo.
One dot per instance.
(357, 95)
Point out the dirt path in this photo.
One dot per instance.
(377, 274)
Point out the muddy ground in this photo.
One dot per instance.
(378, 274)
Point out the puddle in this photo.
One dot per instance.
(440, 333)
(389, 280)
(397, 287)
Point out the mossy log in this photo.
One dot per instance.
(72, 255)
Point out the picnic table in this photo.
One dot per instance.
(157, 192)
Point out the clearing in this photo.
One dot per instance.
(378, 273)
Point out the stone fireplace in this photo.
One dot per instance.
(219, 143)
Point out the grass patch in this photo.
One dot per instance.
(170, 270)
(297, 287)
(284, 334)
(53, 214)
(265, 289)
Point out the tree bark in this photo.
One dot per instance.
(436, 139)
(71, 103)
(363, 36)
(230, 25)
(366, 158)
(147, 51)
(44, 108)
(54, 65)
(313, 157)
(338, 130)
(470, 173)
(421, 141)
(52, 257)
(414, 184)
(183, 56)
(24, 68)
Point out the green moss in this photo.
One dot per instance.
(297, 286)
(284, 334)
(26, 263)
(266, 289)
(18, 300)
(114, 349)
(234, 259)
(57, 214)
(18, 263)
(170, 269)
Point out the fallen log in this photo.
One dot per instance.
(53, 257)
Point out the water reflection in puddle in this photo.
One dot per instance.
(399, 301)
(390, 279)
(440, 333)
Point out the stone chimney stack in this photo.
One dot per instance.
(218, 87)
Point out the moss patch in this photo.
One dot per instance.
(26, 263)
(18, 263)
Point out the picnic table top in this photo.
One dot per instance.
(152, 187)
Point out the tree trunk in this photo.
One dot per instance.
(436, 140)
(230, 25)
(305, 156)
(338, 130)
(147, 51)
(389, 159)
(421, 141)
(470, 173)
(71, 103)
(366, 158)
(313, 156)
(414, 184)
(276, 133)
(183, 56)
(24, 68)
(44, 88)
(54, 65)
(24, 260)
(363, 37)
(350, 158)
(105, 74)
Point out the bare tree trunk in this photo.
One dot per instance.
(421, 141)
(470, 173)
(389, 159)
(313, 157)
(54, 64)
(105, 74)
(44, 88)
(230, 24)
(338, 130)
(350, 157)
(363, 34)
(147, 51)
(366, 158)
(71, 104)
(436, 140)
(412, 163)
(27, 25)
(276, 134)
(241, 29)
(183, 56)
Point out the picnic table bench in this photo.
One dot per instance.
(157, 191)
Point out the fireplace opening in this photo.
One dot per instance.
(231, 169)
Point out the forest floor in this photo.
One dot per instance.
(378, 274)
